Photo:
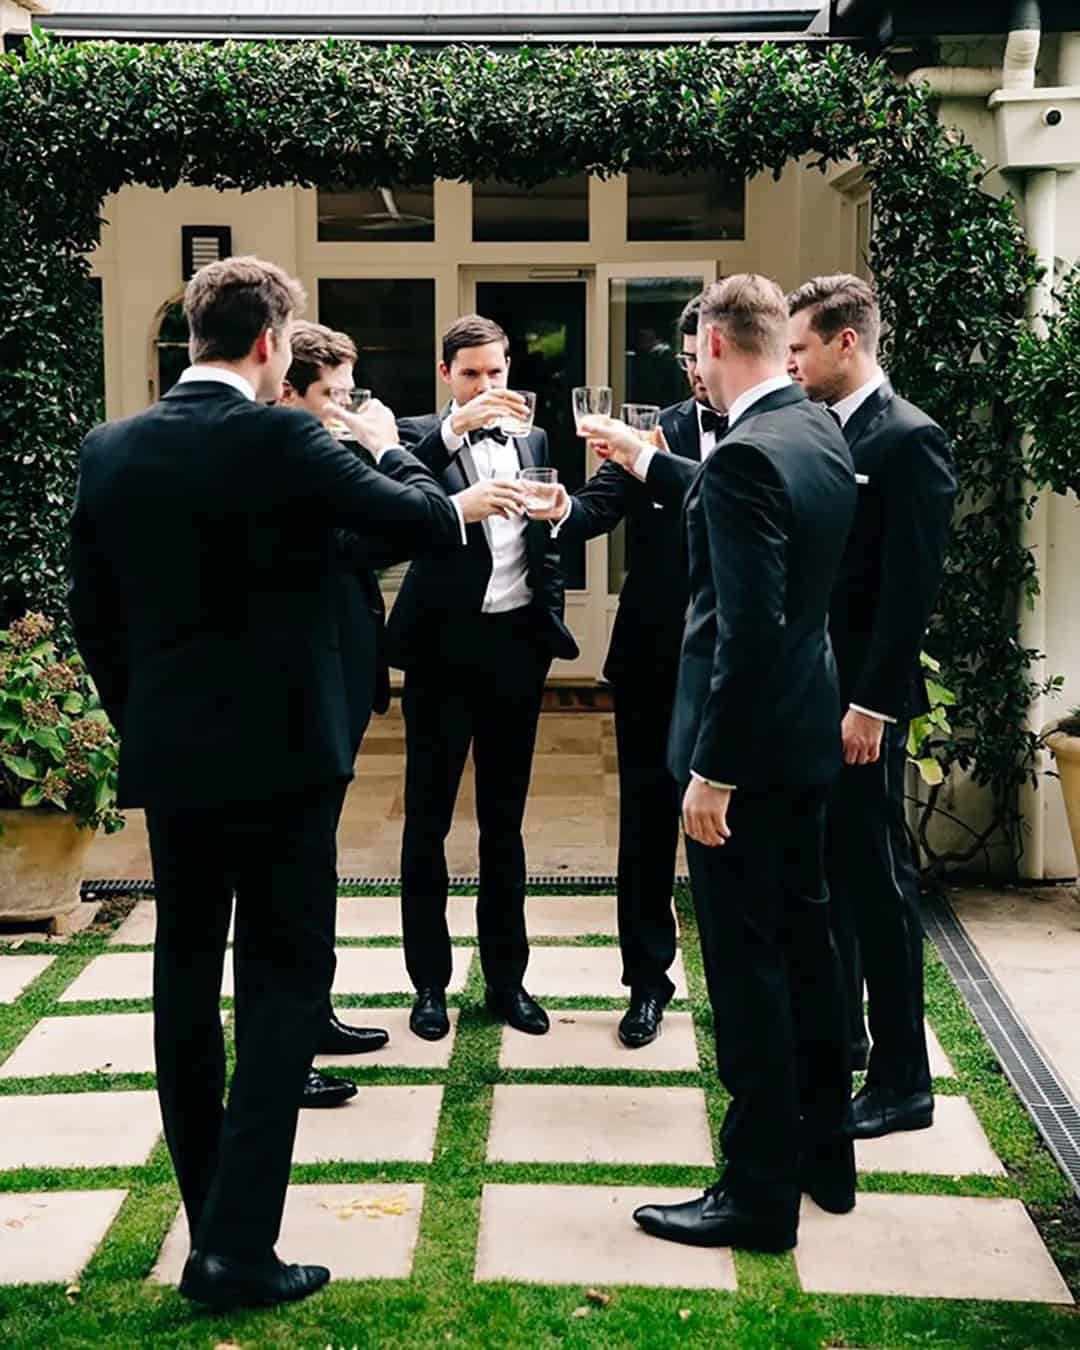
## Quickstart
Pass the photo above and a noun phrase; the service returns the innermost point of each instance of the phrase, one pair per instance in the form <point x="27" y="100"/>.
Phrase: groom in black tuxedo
<point x="888" y="584"/>
<point x="642" y="665"/>
<point x="755" y="744"/>
<point x="204" y="600"/>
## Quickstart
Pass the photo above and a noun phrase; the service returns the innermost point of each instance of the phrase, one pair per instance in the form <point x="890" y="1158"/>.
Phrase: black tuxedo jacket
<point x="766" y="519"/>
<point x="206" y="592"/>
<point x="422" y="625"/>
<point x="652" y="606"/>
<point x="892" y="567"/>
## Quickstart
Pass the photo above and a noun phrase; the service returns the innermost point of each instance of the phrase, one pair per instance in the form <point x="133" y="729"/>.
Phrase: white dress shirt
<point x="508" y="587"/>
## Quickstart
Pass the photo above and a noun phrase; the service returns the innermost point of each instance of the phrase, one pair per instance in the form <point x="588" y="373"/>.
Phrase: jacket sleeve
<point x="747" y="513"/>
<point x="669" y="478"/>
<point x="97" y="607"/>
<point x="426" y="442"/>
<point x="599" y="506"/>
<point x="919" y="489"/>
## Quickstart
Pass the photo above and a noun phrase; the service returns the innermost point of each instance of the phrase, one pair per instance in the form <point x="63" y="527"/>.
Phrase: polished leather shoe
<point x="640" y="1024"/>
<point x="428" y="1018"/>
<point x="221" y="1282"/>
<point x="828" y="1177"/>
<point x="876" y="1111"/>
<point x="518" y="1010"/>
<point x="322" y="1090"/>
<point x="339" y="1038"/>
<point x="717" y="1220"/>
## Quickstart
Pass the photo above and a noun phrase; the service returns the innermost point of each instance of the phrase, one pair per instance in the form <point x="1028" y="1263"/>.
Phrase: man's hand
<point x="704" y="813"/>
<point x="862" y="737"/>
<point x="375" y="426"/>
<point x="485" y="410"/>
<point x="492" y="497"/>
<point x="556" y="510"/>
<point x="612" y="439"/>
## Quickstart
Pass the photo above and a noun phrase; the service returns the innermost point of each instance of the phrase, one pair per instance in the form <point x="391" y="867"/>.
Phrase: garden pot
<point x="42" y="854"/>
<point x="1066" y="752"/>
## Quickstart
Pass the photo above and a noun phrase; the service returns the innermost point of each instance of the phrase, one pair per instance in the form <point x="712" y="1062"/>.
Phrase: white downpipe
<point x="1040" y="220"/>
<point x="1069" y="60"/>
<point x="959" y="81"/>
<point x="1021" y="58"/>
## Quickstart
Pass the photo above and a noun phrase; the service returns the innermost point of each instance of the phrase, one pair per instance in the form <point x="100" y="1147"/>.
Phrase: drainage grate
<point x="1056" y="1116"/>
<point x="602" y="885"/>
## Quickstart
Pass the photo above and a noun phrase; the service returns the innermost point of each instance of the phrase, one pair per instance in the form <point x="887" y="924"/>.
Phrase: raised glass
<point x="640" y="416"/>
<point x="591" y="400"/>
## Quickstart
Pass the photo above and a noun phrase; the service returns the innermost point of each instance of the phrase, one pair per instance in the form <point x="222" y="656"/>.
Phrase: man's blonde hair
<point x="752" y="313"/>
<point x="230" y="302"/>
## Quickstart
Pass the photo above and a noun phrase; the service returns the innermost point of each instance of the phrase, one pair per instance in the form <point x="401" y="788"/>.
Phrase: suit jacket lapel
<point x="687" y="430"/>
<point x="523" y="446"/>
<point x="868" y="412"/>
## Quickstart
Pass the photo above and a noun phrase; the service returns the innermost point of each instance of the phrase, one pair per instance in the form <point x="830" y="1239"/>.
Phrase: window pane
<point x="172" y="348"/>
<point x="392" y="322"/>
<point x="699" y="205"/>
<point x="556" y="210"/>
<point x="387" y="215"/>
<point x="644" y="312"/>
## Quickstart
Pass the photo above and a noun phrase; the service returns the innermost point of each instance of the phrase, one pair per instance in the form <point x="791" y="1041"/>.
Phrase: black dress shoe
<point x="718" y="1220"/>
<point x="322" y="1090"/>
<point x="640" y="1024"/>
<point x="428" y="1018"/>
<point x="876" y="1111"/>
<point x="221" y="1282"/>
<point x="518" y="1010"/>
<point x="339" y="1038"/>
<point x="828" y="1177"/>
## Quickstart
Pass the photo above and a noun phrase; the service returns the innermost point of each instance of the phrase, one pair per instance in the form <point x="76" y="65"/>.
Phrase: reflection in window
<point x="172" y="347"/>
<point x="698" y="205"/>
<point x="643" y="342"/>
<point x="554" y="211"/>
<point x="386" y="215"/>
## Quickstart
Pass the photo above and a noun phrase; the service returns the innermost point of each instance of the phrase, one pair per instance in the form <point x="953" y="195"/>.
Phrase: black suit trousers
<point x="776" y="991"/>
<point x="278" y="858"/>
<point x="648" y="825"/>
<point x="486" y="695"/>
<point x="875" y="893"/>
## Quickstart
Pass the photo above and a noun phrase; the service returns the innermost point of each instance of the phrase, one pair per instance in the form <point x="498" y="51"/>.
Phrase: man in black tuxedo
<point x="755" y="744"/>
<point x="642" y="665"/>
<point x="475" y="636"/>
<point x="886" y="591"/>
<point x="204" y="601"/>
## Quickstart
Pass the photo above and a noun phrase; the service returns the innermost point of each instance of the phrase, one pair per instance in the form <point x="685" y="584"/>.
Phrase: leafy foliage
<point x="951" y="262"/>
<point x="57" y="748"/>
<point x="1045" y="391"/>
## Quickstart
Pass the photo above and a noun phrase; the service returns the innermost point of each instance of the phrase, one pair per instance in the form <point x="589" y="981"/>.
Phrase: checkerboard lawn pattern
<point x="481" y="1195"/>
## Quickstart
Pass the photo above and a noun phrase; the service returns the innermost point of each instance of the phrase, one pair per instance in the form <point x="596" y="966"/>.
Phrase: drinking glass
<point x="358" y="399"/>
<point x="541" y="487"/>
<point x="641" y="416"/>
<point x="591" y="400"/>
<point x="355" y="400"/>
<point x="520" y="426"/>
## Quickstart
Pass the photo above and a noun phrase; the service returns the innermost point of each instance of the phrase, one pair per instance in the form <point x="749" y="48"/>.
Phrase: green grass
<point x="440" y="1304"/>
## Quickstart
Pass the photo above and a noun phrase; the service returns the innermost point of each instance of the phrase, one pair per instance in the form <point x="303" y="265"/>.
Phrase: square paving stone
<point x="361" y="1231"/>
<point x="78" y="1129"/>
<point x="380" y="916"/>
<point x="585" y="972"/>
<point x="589" y="1040"/>
<point x="587" y="1235"/>
<point x="98" y="1043"/>
<point x="955" y="1145"/>
<point x="556" y="916"/>
<point x="381" y="970"/>
<point x="17" y="972"/>
<point x="140" y="927"/>
<point x="123" y="975"/>
<point x="927" y="1246"/>
<point x="47" y="1237"/>
<point x="600" y="1125"/>
<point x="404" y="1051"/>
<point x="380" y="1124"/>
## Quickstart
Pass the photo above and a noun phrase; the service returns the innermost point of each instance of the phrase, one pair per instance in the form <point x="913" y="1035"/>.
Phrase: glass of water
<point x="354" y="401"/>
<point x="541" y="487"/>
<point x="591" y="400"/>
<point x="641" y="416"/>
<point x="520" y="426"/>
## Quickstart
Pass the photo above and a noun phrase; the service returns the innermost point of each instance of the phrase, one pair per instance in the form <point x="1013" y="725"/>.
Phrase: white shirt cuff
<point x="556" y="525"/>
<point x="868" y="712"/>
<point x="709" y="782"/>
<point x="450" y="438"/>
<point x="377" y="455"/>
<point x="461" y="518"/>
<point x="640" y="468"/>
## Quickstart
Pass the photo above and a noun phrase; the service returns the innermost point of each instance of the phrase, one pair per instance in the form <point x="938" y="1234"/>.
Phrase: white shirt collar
<point x="846" y="408"/>
<point x="219" y="375"/>
<point x="751" y="396"/>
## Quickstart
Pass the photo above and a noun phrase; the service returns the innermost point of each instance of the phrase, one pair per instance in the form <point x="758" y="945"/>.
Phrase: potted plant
<point x="58" y="757"/>
<point x="1062" y="739"/>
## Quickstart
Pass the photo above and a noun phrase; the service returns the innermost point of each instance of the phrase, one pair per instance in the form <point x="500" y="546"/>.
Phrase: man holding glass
<point x="475" y="636"/>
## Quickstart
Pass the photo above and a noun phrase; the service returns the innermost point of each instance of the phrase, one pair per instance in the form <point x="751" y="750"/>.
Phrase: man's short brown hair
<point x="837" y="302"/>
<point x="314" y="346"/>
<point x="230" y="302"/>
<point x="688" y="320"/>
<point x="751" y="311"/>
<point x="471" y="330"/>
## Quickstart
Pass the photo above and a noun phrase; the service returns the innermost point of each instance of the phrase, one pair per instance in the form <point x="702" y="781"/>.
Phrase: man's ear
<point x="849" y="340"/>
<point x="264" y="346"/>
<point x="288" y="393"/>
<point x="444" y="372"/>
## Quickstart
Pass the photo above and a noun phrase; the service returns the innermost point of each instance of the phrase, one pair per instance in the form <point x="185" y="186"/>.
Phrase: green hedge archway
<point x="951" y="262"/>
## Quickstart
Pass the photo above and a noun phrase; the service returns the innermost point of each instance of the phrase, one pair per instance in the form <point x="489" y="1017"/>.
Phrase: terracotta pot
<point x="1066" y="752"/>
<point x="41" y="865"/>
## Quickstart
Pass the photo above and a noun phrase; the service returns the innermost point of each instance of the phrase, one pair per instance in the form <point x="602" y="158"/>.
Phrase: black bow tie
<point x="488" y="434"/>
<point x="713" y="421"/>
